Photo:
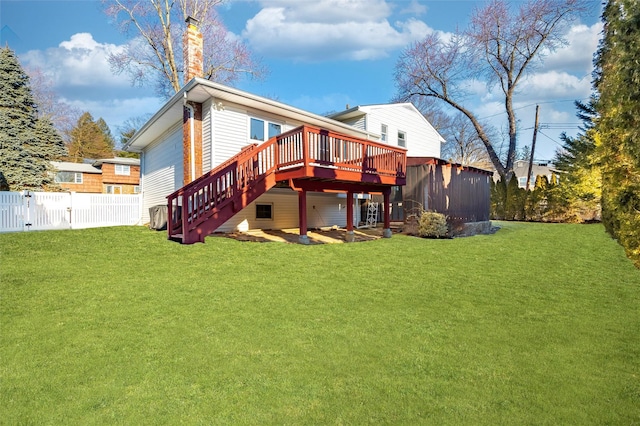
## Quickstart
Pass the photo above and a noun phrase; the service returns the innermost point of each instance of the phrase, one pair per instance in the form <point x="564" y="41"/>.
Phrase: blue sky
<point x="321" y="56"/>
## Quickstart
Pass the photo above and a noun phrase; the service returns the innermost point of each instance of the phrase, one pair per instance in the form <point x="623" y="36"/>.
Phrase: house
<point x="78" y="177"/>
<point x="119" y="175"/>
<point x="538" y="168"/>
<point x="107" y="176"/>
<point x="222" y="159"/>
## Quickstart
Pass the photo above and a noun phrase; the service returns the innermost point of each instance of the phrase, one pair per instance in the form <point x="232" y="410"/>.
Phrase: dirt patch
<point x="316" y="236"/>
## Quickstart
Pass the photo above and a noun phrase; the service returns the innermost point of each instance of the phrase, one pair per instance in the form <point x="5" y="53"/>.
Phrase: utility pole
<point x="533" y="148"/>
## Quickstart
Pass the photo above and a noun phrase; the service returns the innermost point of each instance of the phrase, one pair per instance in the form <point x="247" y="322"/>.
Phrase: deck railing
<point x="308" y="145"/>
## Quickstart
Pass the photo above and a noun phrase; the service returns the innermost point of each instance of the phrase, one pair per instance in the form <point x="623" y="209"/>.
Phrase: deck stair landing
<point x="304" y="154"/>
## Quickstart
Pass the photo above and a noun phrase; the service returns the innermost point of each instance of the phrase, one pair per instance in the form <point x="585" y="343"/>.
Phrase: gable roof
<point x="66" y="166"/>
<point x="200" y="90"/>
<point x="361" y="110"/>
<point x="117" y="160"/>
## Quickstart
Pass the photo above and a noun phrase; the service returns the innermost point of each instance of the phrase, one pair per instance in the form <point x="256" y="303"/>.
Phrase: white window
<point x="259" y="128"/>
<point x="264" y="211"/>
<point x="114" y="189"/>
<point x="136" y="189"/>
<point x="123" y="169"/>
<point x="522" y="182"/>
<point x="68" y="177"/>
<point x="402" y="139"/>
<point x="383" y="132"/>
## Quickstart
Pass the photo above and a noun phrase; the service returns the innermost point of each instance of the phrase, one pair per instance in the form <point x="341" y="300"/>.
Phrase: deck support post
<point x="350" y="237"/>
<point x="302" y="217"/>
<point x="386" y="232"/>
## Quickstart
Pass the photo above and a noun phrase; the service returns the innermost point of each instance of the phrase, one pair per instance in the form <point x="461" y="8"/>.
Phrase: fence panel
<point x="97" y="210"/>
<point x="48" y="210"/>
<point x="12" y="211"/>
<point x="31" y="211"/>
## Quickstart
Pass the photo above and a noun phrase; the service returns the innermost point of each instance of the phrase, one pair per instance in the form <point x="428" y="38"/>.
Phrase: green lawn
<point x="537" y="324"/>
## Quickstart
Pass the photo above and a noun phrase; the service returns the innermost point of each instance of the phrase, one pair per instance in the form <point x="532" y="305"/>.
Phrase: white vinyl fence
<point x="31" y="211"/>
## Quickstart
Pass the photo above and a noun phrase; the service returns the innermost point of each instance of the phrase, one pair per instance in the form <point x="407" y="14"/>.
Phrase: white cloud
<point x="329" y="30"/>
<point x="80" y="74"/>
<point x="78" y="62"/>
<point x="555" y="85"/>
<point x="577" y="55"/>
<point x="414" y="8"/>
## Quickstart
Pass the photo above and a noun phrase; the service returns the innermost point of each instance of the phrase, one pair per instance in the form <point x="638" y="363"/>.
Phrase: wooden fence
<point x="31" y="211"/>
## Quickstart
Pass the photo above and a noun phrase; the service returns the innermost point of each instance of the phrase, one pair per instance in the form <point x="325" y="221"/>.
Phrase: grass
<point x="537" y="324"/>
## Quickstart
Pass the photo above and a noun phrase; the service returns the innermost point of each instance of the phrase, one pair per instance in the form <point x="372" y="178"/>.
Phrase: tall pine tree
<point x="617" y="81"/>
<point x="90" y="139"/>
<point x="27" y="144"/>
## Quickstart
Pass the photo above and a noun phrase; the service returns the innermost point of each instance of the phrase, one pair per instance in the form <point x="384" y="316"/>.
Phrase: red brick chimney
<point x="192" y="111"/>
<point x="192" y="50"/>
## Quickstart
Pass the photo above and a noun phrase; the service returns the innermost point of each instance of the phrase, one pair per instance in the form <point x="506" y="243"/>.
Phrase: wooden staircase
<point x="200" y="207"/>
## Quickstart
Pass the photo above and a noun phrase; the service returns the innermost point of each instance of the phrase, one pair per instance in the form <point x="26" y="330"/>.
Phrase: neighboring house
<point x="399" y="124"/>
<point x="78" y="177"/>
<point x="539" y="168"/>
<point x="108" y="176"/>
<point x="119" y="175"/>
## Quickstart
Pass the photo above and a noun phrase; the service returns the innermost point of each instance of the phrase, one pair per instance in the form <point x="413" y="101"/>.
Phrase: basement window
<point x="264" y="211"/>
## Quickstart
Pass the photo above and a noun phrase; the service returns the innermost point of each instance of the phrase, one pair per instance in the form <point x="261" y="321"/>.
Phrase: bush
<point x="432" y="225"/>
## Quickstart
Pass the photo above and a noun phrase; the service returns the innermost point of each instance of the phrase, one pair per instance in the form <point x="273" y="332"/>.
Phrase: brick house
<point x="106" y="176"/>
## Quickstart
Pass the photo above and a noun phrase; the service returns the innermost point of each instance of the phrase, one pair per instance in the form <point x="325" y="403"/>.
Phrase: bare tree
<point x="155" y="54"/>
<point x="50" y="106"/>
<point x="498" y="48"/>
<point x="463" y="145"/>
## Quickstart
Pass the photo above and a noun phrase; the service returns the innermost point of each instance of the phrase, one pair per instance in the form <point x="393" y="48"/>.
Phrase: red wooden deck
<point x="306" y="158"/>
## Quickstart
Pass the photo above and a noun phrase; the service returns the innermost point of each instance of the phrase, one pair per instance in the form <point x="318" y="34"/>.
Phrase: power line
<point x="537" y="103"/>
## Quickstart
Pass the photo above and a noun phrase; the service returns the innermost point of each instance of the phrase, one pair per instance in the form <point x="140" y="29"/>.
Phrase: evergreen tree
<point x="580" y="186"/>
<point x="90" y="139"/>
<point x="617" y="81"/>
<point x="27" y="145"/>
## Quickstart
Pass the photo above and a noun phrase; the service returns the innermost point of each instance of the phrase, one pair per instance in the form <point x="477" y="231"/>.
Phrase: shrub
<point x="432" y="225"/>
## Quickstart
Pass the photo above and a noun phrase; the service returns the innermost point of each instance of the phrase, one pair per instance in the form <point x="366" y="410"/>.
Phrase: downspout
<point x="192" y="143"/>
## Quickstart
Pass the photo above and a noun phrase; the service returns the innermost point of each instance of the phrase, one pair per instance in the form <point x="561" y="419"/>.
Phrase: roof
<point x="199" y="90"/>
<point x="117" y="160"/>
<point x="66" y="166"/>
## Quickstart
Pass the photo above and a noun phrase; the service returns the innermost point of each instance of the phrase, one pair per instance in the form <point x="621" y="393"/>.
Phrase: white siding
<point x="421" y="138"/>
<point x="231" y="129"/>
<point x="206" y="136"/>
<point x="322" y="210"/>
<point x="161" y="172"/>
<point x="231" y="133"/>
<point x="358" y="122"/>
